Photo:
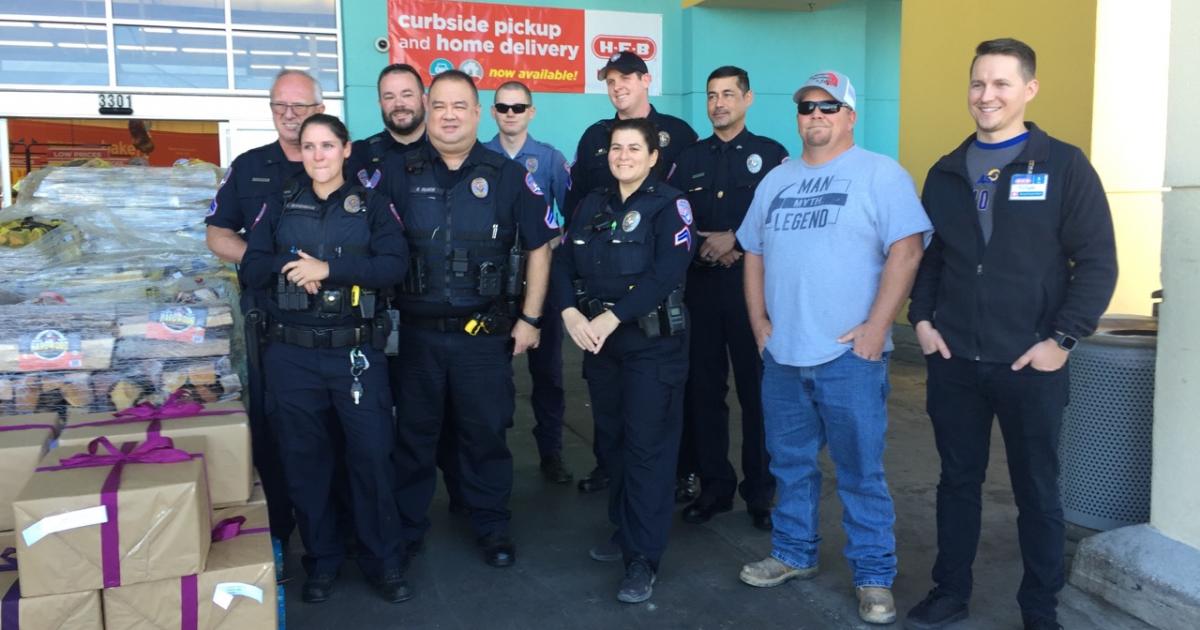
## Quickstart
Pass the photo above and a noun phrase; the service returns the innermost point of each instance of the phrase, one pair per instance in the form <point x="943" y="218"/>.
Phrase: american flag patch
<point x="684" y="237"/>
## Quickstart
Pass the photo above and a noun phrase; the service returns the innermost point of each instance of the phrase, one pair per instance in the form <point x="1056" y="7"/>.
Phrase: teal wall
<point x="779" y="49"/>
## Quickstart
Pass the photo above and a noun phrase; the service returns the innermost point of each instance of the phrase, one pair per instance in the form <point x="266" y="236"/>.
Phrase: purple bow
<point x="8" y="559"/>
<point x="155" y="450"/>
<point x="175" y="407"/>
<point x="232" y="528"/>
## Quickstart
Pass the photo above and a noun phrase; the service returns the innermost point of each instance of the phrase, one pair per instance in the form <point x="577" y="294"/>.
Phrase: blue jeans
<point x="842" y="403"/>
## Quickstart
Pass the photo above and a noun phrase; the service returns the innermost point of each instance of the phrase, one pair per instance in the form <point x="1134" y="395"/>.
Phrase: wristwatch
<point x="536" y="322"/>
<point x="1065" y="341"/>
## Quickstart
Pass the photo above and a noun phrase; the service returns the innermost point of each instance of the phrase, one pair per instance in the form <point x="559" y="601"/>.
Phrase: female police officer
<point x="620" y="274"/>
<point x="319" y="253"/>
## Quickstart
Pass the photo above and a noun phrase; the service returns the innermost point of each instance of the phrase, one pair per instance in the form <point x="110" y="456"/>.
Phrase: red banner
<point x="494" y="43"/>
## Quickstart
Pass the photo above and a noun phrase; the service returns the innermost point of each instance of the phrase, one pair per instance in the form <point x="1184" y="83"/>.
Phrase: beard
<point x="418" y="117"/>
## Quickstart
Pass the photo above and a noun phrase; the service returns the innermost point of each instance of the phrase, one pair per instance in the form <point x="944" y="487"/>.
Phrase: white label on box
<point x="63" y="522"/>
<point x="224" y="593"/>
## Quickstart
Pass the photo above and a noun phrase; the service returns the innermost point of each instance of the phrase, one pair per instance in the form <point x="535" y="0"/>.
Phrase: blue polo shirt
<point x="546" y="164"/>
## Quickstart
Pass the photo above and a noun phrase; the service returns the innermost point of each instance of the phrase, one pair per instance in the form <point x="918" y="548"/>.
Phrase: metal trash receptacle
<point x="1106" y="443"/>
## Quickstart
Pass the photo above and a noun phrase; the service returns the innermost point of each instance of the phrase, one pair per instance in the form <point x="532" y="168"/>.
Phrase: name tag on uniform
<point x="1028" y="187"/>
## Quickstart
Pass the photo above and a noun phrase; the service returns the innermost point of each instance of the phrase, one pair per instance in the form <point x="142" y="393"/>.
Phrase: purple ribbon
<point x="10" y="613"/>
<point x="155" y="450"/>
<point x="26" y="427"/>
<point x="175" y="407"/>
<point x="189" y="603"/>
<point x="232" y="528"/>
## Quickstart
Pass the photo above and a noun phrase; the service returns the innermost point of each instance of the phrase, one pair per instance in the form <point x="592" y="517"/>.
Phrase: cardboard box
<point x="224" y="425"/>
<point x="23" y="442"/>
<point x="236" y="591"/>
<point x="110" y="514"/>
<point x="69" y="611"/>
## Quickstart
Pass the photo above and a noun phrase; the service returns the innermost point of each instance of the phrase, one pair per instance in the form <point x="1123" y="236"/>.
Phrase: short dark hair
<point x="396" y="68"/>
<point x="641" y="125"/>
<point x="724" y="72"/>
<point x="1012" y="48"/>
<point x="515" y="85"/>
<point x="333" y="123"/>
<point x="455" y="75"/>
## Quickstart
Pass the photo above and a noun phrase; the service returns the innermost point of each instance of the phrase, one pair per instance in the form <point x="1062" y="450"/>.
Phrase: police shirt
<point x="719" y="177"/>
<point x="383" y="267"/>
<point x="610" y="219"/>
<point x="365" y="164"/>
<point x="547" y="165"/>
<point x="516" y="191"/>
<point x="254" y="177"/>
<point x="590" y="170"/>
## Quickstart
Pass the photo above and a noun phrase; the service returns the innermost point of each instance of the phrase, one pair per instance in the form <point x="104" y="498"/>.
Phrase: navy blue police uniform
<point x="719" y="179"/>
<point x="631" y="258"/>
<point x="463" y="228"/>
<point x="325" y="368"/>
<point x="591" y="172"/>
<point x="254" y="177"/>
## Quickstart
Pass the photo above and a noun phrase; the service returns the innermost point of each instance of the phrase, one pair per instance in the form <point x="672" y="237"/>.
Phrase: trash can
<point x="1105" y="448"/>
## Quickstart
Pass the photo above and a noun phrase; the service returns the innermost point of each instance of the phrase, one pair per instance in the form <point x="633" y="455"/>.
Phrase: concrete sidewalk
<point x="555" y="585"/>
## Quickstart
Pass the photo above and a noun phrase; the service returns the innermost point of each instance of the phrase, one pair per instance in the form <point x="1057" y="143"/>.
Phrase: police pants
<point x="721" y="335"/>
<point x="472" y="377"/>
<point x="549" y="400"/>
<point x="636" y="387"/>
<point x="310" y="399"/>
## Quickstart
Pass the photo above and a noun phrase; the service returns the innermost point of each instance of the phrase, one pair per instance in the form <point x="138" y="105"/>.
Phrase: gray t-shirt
<point x="824" y="233"/>
<point x="984" y="163"/>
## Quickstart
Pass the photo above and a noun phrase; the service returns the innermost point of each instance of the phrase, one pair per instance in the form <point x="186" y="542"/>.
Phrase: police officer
<point x="402" y="107"/>
<point x="628" y="81"/>
<point x="254" y="177"/>
<point x="472" y="218"/>
<point x="719" y="175"/>
<point x="621" y="269"/>
<point x="321" y="252"/>
<point x="513" y="110"/>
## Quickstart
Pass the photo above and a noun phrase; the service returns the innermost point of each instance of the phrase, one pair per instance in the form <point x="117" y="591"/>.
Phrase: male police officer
<point x="719" y="175"/>
<point x="513" y="110"/>
<point x="1023" y="264"/>
<point x="468" y="213"/>
<point x="402" y="107"/>
<point x="253" y="177"/>
<point x="628" y="80"/>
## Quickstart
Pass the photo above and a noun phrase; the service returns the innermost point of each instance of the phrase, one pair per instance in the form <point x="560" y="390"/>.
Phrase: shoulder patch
<point x="684" y="237"/>
<point x="212" y="208"/>
<point x="551" y="219"/>
<point x="532" y="185"/>
<point x="685" y="210"/>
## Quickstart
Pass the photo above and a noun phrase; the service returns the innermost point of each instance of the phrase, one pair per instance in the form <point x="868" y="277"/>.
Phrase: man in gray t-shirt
<point x="832" y="242"/>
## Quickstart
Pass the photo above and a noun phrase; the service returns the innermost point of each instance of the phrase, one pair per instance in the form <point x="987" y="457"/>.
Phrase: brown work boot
<point x="875" y="604"/>
<point x="770" y="572"/>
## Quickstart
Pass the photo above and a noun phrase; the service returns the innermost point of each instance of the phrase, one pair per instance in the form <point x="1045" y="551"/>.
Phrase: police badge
<point x="479" y="187"/>
<point x="531" y="164"/>
<point x="632" y="219"/>
<point x="352" y="204"/>
<point x="664" y="139"/>
<point x="754" y="163"/>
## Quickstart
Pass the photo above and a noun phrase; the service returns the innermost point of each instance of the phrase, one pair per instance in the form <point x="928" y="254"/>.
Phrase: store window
<point x="152" y="56"/>
<point x="53" y="53"/>
<point x="296" y="13"/>
<point x="56" y="8"/>
<point x="173" y="10"/>
<point x="177" y="44"/>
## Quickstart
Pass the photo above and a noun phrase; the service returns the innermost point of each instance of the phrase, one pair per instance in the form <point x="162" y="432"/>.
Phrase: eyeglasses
<point x="827" y="107"/>
<point x="517" y="108"/>
<point x="299" y="109"/>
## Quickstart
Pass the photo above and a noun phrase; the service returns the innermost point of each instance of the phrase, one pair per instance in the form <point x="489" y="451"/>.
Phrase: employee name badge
<point x="1028" y="187"/>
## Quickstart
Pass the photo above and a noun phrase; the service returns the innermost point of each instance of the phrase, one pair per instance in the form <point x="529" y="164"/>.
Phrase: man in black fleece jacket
<point x="1021" y="266"/>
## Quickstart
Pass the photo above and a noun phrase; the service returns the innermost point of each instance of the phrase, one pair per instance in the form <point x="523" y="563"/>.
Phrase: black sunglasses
<point x="827" y="107"/>
<point x="517" y="108"/>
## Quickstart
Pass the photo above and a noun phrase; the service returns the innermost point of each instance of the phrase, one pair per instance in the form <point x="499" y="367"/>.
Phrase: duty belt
<point x="451" y="324"/>
<point x="321" y="337"/>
